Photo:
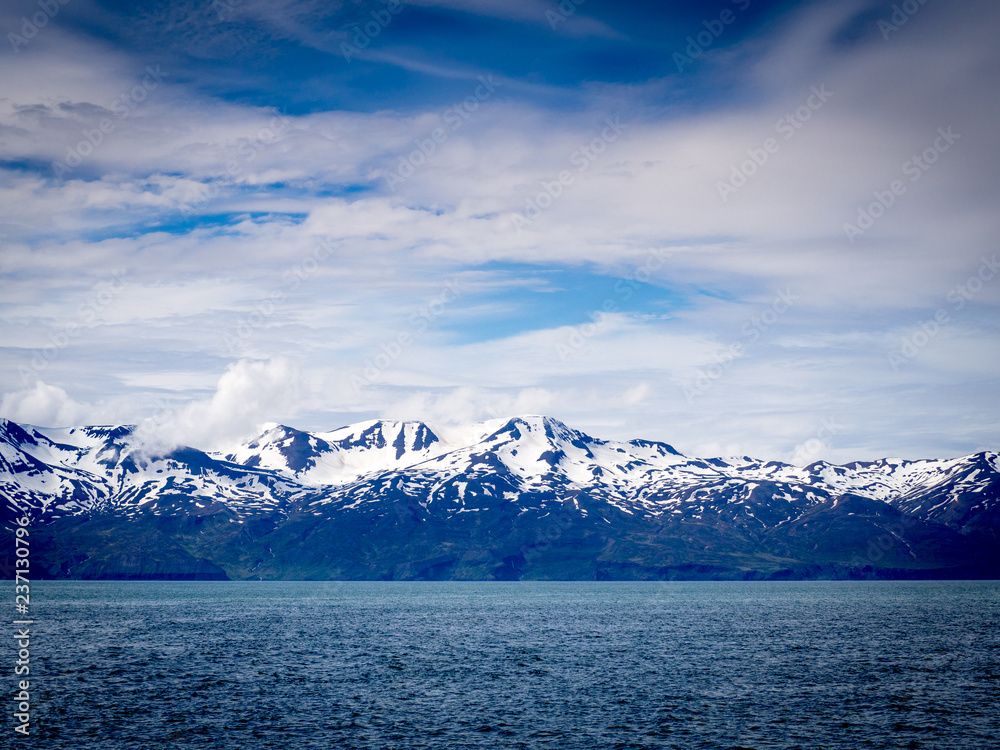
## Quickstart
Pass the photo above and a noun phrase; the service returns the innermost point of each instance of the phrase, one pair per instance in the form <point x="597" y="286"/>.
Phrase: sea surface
<point x="720" y="666"/>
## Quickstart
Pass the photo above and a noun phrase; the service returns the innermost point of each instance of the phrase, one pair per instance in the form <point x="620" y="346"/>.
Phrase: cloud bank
<point x="794" y="228"/>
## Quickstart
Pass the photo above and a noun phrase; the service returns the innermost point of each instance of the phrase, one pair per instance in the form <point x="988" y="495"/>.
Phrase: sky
<point x="740" y="227"/>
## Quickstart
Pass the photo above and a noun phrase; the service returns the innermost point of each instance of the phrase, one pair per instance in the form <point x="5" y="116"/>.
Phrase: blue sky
<point x="742" y="227"/>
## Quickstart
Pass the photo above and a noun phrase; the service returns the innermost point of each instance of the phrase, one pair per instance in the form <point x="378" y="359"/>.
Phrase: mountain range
<point x="520" y="498"/>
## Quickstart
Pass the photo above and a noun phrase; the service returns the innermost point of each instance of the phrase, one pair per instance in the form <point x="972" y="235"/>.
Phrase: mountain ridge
<point x="386" y="499"/>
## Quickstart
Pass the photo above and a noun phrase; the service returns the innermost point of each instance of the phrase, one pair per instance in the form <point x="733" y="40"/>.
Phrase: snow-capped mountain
<point x="56" y="472"/>
<point x="520" y="497"/>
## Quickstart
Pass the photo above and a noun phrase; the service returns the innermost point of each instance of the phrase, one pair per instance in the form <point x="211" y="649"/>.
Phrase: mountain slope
<point x="523" y="497"/>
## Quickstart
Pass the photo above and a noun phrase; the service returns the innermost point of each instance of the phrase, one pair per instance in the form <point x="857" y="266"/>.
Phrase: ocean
<point x="589" y="665"/>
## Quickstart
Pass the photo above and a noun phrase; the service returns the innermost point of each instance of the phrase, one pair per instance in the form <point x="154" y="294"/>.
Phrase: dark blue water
<point x="229" y="666"/>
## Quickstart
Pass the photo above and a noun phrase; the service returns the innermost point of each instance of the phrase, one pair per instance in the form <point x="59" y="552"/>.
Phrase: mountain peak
<point x="379" y="433"/>
<point x="522" y="479"/>
<point x="536" y="424"/>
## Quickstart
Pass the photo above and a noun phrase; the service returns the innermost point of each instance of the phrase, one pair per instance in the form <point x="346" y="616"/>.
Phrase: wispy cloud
<point x="215" y="204"/>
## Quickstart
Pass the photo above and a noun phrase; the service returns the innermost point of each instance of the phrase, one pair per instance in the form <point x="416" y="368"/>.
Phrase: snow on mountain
<point x="340" y="456"/>
<point x="526" y="497"/>
<point x="84" y="469"/>
<point x="77" y="470"/>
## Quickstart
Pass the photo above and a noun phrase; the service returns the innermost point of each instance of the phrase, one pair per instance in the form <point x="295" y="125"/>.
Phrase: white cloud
<point x="247" y="395"/>
<point x="540" y="12"/>
<point x="654" y="187"/>
<point x="468" y="404"/>
<point x="43" y="405"/>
